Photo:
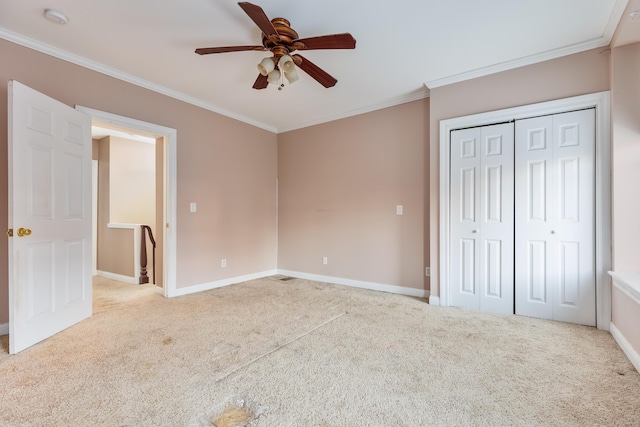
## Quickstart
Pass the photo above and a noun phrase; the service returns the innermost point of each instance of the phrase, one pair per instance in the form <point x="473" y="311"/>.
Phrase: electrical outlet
<point x="399" y="210"/>
<point x="427" y="271"/>
<point x="325" y="260"/>
<point x="223" y="263"/>
<point x="192" y="207"/>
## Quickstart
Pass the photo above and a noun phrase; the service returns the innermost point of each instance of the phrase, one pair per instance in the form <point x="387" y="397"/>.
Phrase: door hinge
<point x="10" y="232"/>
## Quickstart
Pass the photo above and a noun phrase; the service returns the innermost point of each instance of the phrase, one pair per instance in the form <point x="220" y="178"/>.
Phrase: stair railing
<point x="144" y="278"/>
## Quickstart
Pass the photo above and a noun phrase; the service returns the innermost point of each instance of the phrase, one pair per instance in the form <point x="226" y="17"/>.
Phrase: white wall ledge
<point x="627" y="282"/>
<point x="120" y="225"/>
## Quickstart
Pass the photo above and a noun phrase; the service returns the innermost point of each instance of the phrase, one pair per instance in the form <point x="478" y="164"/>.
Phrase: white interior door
<point x="50" y="213"/>
<point x="482" y="218"/>
<point x="555" y="221"/>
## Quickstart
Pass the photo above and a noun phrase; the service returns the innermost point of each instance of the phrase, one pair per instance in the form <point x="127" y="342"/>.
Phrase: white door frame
<point x="170" y="186"/>
<point x="601" y="102"/>
<point x="94" y="217"/>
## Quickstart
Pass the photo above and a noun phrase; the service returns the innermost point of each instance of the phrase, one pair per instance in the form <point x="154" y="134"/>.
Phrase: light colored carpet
<point x="299" y="353"/>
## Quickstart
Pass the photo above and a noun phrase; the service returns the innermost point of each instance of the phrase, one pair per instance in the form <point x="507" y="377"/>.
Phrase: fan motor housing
<point x="288" y="36"/>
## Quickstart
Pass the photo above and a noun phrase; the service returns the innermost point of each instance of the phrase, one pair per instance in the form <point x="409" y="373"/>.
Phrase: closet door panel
<point x="573" y="217"/>
<point x="555" y="217"/>
<point x="533" y="189"/>
<point x="496" y="218"/>
<point x="482" y="218"/>
<point x="465" y="176"/>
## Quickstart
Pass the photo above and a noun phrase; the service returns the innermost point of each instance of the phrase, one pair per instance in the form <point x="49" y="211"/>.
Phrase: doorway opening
<point x="161" y="217"/>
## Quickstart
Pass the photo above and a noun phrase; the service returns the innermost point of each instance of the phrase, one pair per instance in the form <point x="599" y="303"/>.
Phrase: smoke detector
<point x="56" y="16"/>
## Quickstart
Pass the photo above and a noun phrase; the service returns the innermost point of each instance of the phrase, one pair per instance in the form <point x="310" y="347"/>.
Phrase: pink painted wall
<point x="625" y="316"/>
<point x="132" y="175"/>
<point x="115" y="246"/>
<point x="339" y="185"/>
<point x="573" y="75"/>
<point x="228" y="167"/>
<point x="625" y="102"/>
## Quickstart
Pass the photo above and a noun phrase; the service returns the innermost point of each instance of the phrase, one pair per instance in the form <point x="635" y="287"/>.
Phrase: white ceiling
<point x="402" y="46"/>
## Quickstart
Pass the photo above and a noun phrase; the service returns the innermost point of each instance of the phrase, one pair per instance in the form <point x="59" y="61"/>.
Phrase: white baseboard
<point x="631" y="353"/>
<point x="220" y="283"/>
<point x="117" y="277"/>
<point x="434" y="300"/>
<point x="419" y="293"/>
<point x="4" y="329"/>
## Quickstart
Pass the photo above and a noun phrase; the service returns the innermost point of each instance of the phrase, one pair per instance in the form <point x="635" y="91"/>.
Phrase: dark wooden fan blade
<point x="331" y="41"/>
<point x="208" y="50"/>
<point x="314" y="71"/>
<point x="258" y="16"/>
<point x="261" y="82"/>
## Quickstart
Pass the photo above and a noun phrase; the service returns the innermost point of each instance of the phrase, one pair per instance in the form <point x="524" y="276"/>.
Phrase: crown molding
<point x="129" y="78"/>
<point x="614" y="19"/>
<point x="517" y="63"/>
<point x="413" y="96"/>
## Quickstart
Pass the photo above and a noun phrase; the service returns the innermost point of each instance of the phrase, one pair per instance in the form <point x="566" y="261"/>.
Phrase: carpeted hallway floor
<point x="297" y="353"/>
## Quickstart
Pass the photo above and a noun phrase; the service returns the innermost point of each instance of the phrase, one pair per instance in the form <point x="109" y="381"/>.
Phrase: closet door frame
<point x="601" y="102"/>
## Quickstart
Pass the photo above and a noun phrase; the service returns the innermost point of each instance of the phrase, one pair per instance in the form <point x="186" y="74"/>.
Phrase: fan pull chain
<point x="281" y="81"/>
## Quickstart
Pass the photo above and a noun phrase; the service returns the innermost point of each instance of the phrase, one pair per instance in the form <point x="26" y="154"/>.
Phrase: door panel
<point x="468" y="267"/>
<point x="569" y="273"/>
<point x="49" y="196"/>
<point x="536" y="277"/>
<point x="536" y="191"/>
<point x="555" y="217"/>
<point x="468" y="194"/>
<point x="574" y="217"/>
<point x="496" y="222"/>
<point x="39" y="278"/>
<point x="493" y="194"/>
<point x="493" y="268"/>
<point x="482" y="218"/>
<point x="533" y="155"/>
<point x="464" y="213"/>
<point x="569" y="190"/>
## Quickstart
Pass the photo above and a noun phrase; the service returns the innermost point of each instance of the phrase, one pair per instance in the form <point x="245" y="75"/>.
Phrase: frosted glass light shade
<point x="266" y="66"/>
<point x="273" y="77"/>
<point x="286" y="63"/>
<point x="292" y="75"/>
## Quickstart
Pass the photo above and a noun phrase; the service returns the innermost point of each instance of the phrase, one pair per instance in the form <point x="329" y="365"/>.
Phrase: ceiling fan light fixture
<point x="292" y="76"/>
<point x="280" y="39"/>
<point x="266" y="66"/>
<point x="274" y="77"/>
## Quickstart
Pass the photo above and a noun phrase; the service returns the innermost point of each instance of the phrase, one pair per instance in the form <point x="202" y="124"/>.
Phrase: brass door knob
<point x="23" y="232"/>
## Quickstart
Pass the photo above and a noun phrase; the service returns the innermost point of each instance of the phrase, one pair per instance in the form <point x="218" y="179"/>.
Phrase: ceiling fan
<point x="281" y="40"/>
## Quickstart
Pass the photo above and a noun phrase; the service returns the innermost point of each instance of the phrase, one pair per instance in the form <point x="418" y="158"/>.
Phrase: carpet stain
<point x="167" y="341"/>
<point x="234" y="416"/>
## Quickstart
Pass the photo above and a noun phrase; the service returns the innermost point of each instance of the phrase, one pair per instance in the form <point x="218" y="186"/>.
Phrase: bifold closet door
<point x="482" y="207"/>
<point x="555" y="228"/>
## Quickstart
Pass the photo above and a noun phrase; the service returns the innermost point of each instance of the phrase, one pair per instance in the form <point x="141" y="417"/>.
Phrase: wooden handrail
<point x="144" y="278"/>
